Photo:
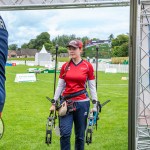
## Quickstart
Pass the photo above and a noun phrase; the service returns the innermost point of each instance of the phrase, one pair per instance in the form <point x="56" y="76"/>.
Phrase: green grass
<point x="26" y="111"/>
<point x="63" y="59"/>
<point x="60" y="59"/>
<point x="28" y="59"/>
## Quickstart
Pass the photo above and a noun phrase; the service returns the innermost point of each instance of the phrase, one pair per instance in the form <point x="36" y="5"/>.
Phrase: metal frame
<point x="59" y="4"/>
<point x="143" y="77"/>
<point x="132" y="76"/>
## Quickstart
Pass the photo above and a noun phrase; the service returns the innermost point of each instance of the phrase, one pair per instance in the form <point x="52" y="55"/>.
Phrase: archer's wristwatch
<point x="93" y="101"/>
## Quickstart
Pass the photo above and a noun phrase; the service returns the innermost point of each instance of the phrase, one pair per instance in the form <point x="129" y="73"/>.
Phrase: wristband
<point x="53" y="101"/>
<point x="93" y="101"/>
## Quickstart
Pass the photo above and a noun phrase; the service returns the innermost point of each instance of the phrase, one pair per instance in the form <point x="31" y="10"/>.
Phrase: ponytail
<point x="66" y="68"/>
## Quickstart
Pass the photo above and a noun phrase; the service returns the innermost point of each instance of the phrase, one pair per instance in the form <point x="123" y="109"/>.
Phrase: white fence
<point x="102" y="66"/>
<point x="120" y="68"/>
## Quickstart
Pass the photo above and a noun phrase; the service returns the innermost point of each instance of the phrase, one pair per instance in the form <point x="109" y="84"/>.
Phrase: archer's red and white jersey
<point x="76" y="77"/>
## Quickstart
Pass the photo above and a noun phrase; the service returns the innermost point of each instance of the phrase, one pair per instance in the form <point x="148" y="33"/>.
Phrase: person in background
<point x="3" y="59"/>
<point x="73" y="79"/>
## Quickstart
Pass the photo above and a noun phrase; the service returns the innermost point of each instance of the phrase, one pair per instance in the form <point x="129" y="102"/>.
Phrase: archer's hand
<point x="94" y="109"/>
<point x="52" y="108"/>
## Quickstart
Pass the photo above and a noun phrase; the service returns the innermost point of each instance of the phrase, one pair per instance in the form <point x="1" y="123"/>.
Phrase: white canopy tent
<point x="43" y="57"/>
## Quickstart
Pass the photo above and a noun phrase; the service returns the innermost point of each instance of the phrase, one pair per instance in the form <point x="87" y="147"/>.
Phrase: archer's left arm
<point x="93" y="93"/>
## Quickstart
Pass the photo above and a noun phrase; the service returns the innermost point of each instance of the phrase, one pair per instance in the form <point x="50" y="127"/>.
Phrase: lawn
<point x="26" y="111"/>
<point x="60" y="59"/>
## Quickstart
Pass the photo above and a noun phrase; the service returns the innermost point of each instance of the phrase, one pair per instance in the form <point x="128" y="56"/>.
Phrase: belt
<point x="74" y="94"/>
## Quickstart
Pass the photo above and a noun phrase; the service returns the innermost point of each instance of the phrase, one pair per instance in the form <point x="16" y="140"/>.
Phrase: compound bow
<point x="52" y="116"/>
<point x="49" y="126"/>
<point x="50" y="123"/>
<point x="92" y="121"/>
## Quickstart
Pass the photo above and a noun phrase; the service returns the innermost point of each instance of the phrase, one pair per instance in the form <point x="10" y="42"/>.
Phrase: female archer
<point x="74" y="76"/>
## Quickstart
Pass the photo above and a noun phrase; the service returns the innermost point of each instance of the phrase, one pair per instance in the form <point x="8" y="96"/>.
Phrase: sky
<point x="98" y="23"/>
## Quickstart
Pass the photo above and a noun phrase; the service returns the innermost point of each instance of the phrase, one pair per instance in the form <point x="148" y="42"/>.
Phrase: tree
<point x="95" y="39"/>
<point x="42" y="39"/>
<point x="111" y="37"/>
<point x="62" y="50"/>
<point x="120" y="46"/>
<point x="48" y="46"/>
<point x="24" y="46"/>
<point x="85" y="40"/>
<point x="32" y="44"/>
<point x="13" y="47"/>
<point x="63" y="40"/>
